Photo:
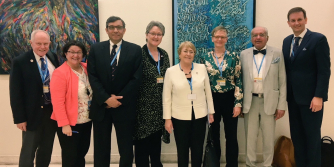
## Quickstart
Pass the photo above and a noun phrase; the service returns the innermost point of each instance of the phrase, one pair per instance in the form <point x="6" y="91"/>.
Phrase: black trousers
<point x="224" y="104"/>
<point x="102" y="140"/>
<point x="189" y="134"/>
<point x="74" y="148"/>
<point x="305" y="129"/>
<point x="147" y="149"/>
<point x="39" y="142"/>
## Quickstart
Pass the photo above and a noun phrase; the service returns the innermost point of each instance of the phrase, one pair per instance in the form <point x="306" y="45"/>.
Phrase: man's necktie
<point x="46" y="81"/>
<point x="264" y="51"/>
<point x="295" y="46"/>
<point x="112" y="56"/>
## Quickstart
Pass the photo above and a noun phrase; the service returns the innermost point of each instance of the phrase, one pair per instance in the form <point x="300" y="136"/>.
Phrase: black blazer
<point x="26" y="89"/>
<point x="127" y="79"/>
<point x="308" y="71"/>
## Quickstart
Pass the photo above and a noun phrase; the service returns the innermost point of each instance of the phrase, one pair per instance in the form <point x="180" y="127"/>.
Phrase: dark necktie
<point x="114" y="64"/>
<point x="295" y="46"/>
<point x="259" y="51"/>
<point x="46" y="81"/>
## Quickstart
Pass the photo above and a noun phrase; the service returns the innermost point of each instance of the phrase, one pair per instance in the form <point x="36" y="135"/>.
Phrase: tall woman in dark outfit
<point x="149" y="125"/>
<point x="224" y="71"/>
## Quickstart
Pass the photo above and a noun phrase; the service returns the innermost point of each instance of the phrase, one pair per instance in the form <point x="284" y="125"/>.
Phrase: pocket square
<point x="304" y="49"/>
<point x="276" y="60"/>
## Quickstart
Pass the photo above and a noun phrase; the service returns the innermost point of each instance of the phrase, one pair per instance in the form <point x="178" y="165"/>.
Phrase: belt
<point x="260" y="95"/>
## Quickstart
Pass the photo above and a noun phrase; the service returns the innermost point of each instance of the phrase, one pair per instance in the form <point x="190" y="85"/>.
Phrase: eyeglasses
<point x="117" y="27"/>
<point x="219" y="37"/>
<point x="78" y="53"/>
<point x="154" y="34"/>
<point x="261" y="35"/>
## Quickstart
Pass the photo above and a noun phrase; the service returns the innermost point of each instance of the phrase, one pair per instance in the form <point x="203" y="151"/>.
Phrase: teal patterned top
<point x="231" y="73"/>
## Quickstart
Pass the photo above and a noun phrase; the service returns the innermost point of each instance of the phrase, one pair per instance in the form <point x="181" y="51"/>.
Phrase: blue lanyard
<point x="191" y="80"/>
<point x="43" y="74"/>
<point x="220" y="66"/>
<point x="158" y="65"/>
<point x="115" y="55"/>
<point x="258" y="69"/>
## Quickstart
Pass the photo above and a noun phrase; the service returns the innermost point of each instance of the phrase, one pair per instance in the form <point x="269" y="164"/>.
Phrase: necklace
<point x="186" y="73"/>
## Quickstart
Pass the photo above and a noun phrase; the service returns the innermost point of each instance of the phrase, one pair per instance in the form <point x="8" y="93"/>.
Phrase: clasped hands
<point x="112" y="102"/>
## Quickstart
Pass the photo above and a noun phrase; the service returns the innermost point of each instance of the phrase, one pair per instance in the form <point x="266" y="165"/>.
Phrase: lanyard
<point x="220" y="66"/>
<point x="43" y="74"/>
<point x="158" y="65"/>
<point x="258" y="69"/>
<point x="191" y="80"/>
<point x="115" y="55"/>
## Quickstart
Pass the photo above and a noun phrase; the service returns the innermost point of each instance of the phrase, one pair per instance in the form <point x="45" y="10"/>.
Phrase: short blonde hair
<point x="186" y="44"/>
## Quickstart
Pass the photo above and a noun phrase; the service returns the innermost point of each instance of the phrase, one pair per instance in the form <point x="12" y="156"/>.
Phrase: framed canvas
<point x="193" y="20"/>
<point x="64" y="20"/>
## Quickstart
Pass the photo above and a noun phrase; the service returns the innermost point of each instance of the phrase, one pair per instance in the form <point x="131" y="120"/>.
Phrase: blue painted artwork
<point x="193" y="20"/>
<point x="64" y="20"/>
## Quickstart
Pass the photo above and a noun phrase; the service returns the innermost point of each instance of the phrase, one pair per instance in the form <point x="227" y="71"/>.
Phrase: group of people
<point x="137" y="91"/>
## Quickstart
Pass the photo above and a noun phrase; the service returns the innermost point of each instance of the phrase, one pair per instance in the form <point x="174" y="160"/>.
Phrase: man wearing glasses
<point x="115" y="71"/>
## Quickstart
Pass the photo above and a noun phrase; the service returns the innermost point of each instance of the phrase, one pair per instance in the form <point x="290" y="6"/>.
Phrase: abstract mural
<point x="64" y="20"/>
<point x="193" y="20"/>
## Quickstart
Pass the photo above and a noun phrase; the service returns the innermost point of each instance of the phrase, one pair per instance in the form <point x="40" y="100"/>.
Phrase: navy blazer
<point x="26" y="89"/>
<point x="126" y="82"/>
<point x="308" y="71"/>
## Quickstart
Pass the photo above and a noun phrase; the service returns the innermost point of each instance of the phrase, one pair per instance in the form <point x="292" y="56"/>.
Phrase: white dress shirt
<point x="258" y="86"/>
<point x="300" y="41"/>
<point x="51" y="67"/>
<point x="119" y="52"/>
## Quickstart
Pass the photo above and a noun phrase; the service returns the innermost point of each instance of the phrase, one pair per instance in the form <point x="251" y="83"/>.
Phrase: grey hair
<point x="33" y="34"/>
<point x="265" y="30"/>
<point x="155" y="23"/>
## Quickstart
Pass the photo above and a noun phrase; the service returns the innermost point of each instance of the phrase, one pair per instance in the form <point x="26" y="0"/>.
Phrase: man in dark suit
<point x="115" y="71"/>
<point x="307" y="63"/>
<point x="30" y="100"/>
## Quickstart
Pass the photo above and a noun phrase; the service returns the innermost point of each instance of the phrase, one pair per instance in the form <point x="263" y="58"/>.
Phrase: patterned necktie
<point x="46" y="81"/>
<point x="114" y="64"/>
<point x="295" y="46"/>
<point x="264" y="51"/>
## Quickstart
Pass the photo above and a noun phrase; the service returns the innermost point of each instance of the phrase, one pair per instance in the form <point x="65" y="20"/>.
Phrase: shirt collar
<point x="118" y="44"/>
<point x="38" y="58"/>
<point x="301" y="35"/>
<point x="265" y="47"/>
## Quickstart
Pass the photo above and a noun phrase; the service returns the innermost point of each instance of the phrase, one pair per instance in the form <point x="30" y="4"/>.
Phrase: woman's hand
<point x="67" y="130"/>
<point x="211" y="118"/>
<point x="236" y="111"/>
<point x="168" y="125"/>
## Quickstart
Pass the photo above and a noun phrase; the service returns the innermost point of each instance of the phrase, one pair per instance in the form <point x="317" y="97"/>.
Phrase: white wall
<point x="137" y="14"/>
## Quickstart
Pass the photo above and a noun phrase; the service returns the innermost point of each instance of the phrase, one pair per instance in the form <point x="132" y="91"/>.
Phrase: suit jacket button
<point x="41" y="106"/>
<point x="42" y="95"/>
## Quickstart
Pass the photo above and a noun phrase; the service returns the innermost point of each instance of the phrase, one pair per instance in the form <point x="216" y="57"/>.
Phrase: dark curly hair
<point x="74" y="43"/>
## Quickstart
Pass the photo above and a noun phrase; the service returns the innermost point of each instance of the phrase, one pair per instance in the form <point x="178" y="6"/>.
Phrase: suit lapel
<point x="105" y="56"/>
<point x="267" y="59"/>
<point x="302" y="44"/>
<point x="287" y="48"/>
<point x="50" y="56"/>
<point x="123" y="55"/>
<point x="250" y="61"/>
<point x="33" y="66"/>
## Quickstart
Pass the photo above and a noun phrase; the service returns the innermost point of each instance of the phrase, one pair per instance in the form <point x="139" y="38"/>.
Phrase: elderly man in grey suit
<point x="264" y="102"/>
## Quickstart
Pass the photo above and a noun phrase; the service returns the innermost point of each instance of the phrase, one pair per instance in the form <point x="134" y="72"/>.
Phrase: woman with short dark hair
<point x="71" y="96"/>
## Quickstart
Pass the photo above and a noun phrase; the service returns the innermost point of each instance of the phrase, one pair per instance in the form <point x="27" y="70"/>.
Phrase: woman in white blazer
<point x="187" y="101"/>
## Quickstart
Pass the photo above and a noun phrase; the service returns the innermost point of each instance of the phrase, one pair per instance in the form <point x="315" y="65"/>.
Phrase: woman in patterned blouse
<point x="224" y="71"/>
<point x="71" y="94"/>
<point x="149" y="124"/>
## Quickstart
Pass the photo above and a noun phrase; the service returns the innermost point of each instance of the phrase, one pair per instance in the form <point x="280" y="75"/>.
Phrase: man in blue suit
<point x="307" y="64"/>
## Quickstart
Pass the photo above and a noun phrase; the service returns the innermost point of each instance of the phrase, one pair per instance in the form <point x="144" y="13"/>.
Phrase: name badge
<point x="258" y="80"/>
<point x="160" y="80"/>
<point x="221" y="82"/>
<point x="191" y="96"/>
<point x="45" y="89"/>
